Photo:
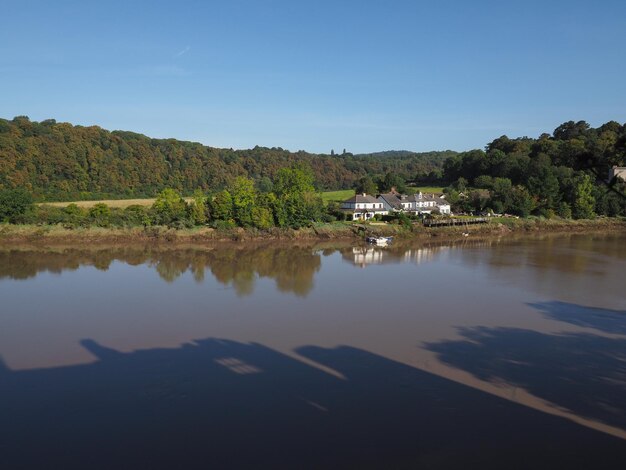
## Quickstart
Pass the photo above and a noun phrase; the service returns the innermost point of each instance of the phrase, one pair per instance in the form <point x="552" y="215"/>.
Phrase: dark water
<point x="508" y="354"/>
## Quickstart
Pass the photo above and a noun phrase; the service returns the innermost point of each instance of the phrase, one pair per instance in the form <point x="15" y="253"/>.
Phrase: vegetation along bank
<point x="558" y="181"/>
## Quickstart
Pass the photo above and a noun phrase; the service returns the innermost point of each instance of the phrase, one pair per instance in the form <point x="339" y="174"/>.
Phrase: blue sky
<point x="316" y="75"/>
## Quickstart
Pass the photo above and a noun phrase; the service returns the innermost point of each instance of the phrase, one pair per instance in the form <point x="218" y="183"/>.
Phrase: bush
<point x="100" y="215"/>
<point x="14" y="203"/>
<point x="223" y="224"/>
<point x="73" y="216"/>
<point x="135" y="215"/>
<point x="170" y="209"/>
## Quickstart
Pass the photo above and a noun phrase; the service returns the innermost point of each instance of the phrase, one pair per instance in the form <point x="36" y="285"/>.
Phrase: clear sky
<point x="316" y="75"/>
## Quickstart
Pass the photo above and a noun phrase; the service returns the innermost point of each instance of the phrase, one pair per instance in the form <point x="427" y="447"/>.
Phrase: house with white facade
<point x="363" y="207"/>
<point x="415" y="203"/>
<point x="617" y="172"/>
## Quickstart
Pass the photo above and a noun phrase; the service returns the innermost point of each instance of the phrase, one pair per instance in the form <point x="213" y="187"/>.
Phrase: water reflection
<point x="580" y="265"/>
<point x="538" y="322"/>
<point x="292" y="267"/>
<point x="215" y="403"/>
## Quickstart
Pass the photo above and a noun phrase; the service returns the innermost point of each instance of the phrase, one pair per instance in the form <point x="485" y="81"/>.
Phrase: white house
<point x="416" y="203"/>
<point x="363" y="207"/>
<point x="617" y="171"/>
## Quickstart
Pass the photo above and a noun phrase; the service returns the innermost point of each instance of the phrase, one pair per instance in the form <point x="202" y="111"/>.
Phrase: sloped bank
<point x="53" y="234"/>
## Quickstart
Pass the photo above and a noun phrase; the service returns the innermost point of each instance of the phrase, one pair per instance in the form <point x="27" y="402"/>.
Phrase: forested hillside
<point x="564" y="173"/>
<point x="59" y="161"/>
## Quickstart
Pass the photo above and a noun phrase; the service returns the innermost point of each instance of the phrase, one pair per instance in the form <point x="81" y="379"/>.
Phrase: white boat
<point x="378" y="240"/>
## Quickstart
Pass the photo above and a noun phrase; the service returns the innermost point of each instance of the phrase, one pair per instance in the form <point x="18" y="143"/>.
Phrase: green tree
<point x="522" y="203"/>
<point x="297" y="180"/>
<point x="14" y="203"/>
<point x="262" y="217"/>
<point x="564" y="210"/>
<point x="296" y="204"/>
<point x="584" y="201"/>
<point x="74" y="216"/>
<point x="100" y="215"/>
<point x="365" y="185"/>
<point x="461" y="184"/>
<point x="198" y="208"/>
<point x="221" y="207"/>
<point x="244" y="201"/>
<point x="501" y="192"/>
<point x="265" y="185"/>
<point x="543" y="182"/>
<point x="169" y="208"/>
<point x="392" y="180"/>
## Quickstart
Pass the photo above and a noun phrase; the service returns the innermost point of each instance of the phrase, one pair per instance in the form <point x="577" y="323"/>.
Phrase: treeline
<point x="565" y="174"/>
<point x="291" y="202"/>
<point x="61" y="162"/>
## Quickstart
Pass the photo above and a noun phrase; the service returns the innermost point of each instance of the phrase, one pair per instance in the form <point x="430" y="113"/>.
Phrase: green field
<point x="118" y="203"/>
<point x="327" y="196"/>
<point x="341" y="195"/>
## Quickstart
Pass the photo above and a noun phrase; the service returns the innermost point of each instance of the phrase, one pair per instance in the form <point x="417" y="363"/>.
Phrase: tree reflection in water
<point x="292" y="267"/>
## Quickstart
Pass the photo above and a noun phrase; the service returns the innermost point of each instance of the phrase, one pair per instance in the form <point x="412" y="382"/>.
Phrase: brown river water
<point x="483" y="354"/>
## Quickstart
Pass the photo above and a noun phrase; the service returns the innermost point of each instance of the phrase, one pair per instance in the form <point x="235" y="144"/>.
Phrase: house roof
<point x="360" y="198"/>
<point x="391" y="199"/>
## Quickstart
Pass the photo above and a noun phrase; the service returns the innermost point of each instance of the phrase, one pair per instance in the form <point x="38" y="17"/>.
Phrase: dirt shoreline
<point x="58" y="235"/>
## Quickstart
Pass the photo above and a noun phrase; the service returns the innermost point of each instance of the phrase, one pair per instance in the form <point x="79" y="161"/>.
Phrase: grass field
<point x="341" y="195"/>
<point x="121" y="203"/>
<point x="327" y="196"/>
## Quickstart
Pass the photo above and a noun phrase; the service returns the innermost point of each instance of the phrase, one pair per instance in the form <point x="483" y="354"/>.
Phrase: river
<point x="482" y="354"/>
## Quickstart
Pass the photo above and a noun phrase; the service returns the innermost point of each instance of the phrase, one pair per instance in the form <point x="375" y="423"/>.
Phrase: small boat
<point x="379" y="240"/>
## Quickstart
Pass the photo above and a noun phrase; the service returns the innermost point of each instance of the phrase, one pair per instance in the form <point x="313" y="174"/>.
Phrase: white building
<point x="415" y="204"/>
<point x="617" y="171"/>
<point x="363" y="207"/>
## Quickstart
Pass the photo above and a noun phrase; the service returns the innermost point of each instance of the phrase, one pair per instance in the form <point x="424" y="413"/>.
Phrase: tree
<point x="501" y="192"/>
<point x="169" y="208"/>
<point x="14" y="203"/>
<point x="461" y="184"/>
<point x="392" y="180"/>
<point x="265" y="185"/>
<point x="296" y="204"/>
<point x="584" y="201"/>
<point x="100" y="214"/>
<point x="483" y="181"/>
<point x="73" y="215"/>
<point x="198" y="208"/>
<point x="244" y="201"/>
<point x="543" y="182"/>
<point x="221" y="207"/>
<point x="522" y="203"/>
<point x="365" y="185"/>
<point x="262" y="217"/>
<point x="564" y="210"/>
<point x="297" y="180"/>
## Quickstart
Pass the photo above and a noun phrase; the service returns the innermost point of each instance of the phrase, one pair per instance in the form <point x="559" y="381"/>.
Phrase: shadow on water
<point x="581" y="372"/>
<point x="224" y="404"/>
<point x="602" y="319"/>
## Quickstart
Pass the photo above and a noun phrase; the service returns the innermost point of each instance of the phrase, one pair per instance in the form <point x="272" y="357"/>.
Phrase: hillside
<point x="60" y="161"/>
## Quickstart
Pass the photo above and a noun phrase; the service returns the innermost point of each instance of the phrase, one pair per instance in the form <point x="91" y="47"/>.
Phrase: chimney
<point x="364" y="194"/>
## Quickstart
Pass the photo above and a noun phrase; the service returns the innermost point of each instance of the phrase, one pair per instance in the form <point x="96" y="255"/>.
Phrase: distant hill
<point x="407" y="153"/>
<point x="60" y="161"/>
